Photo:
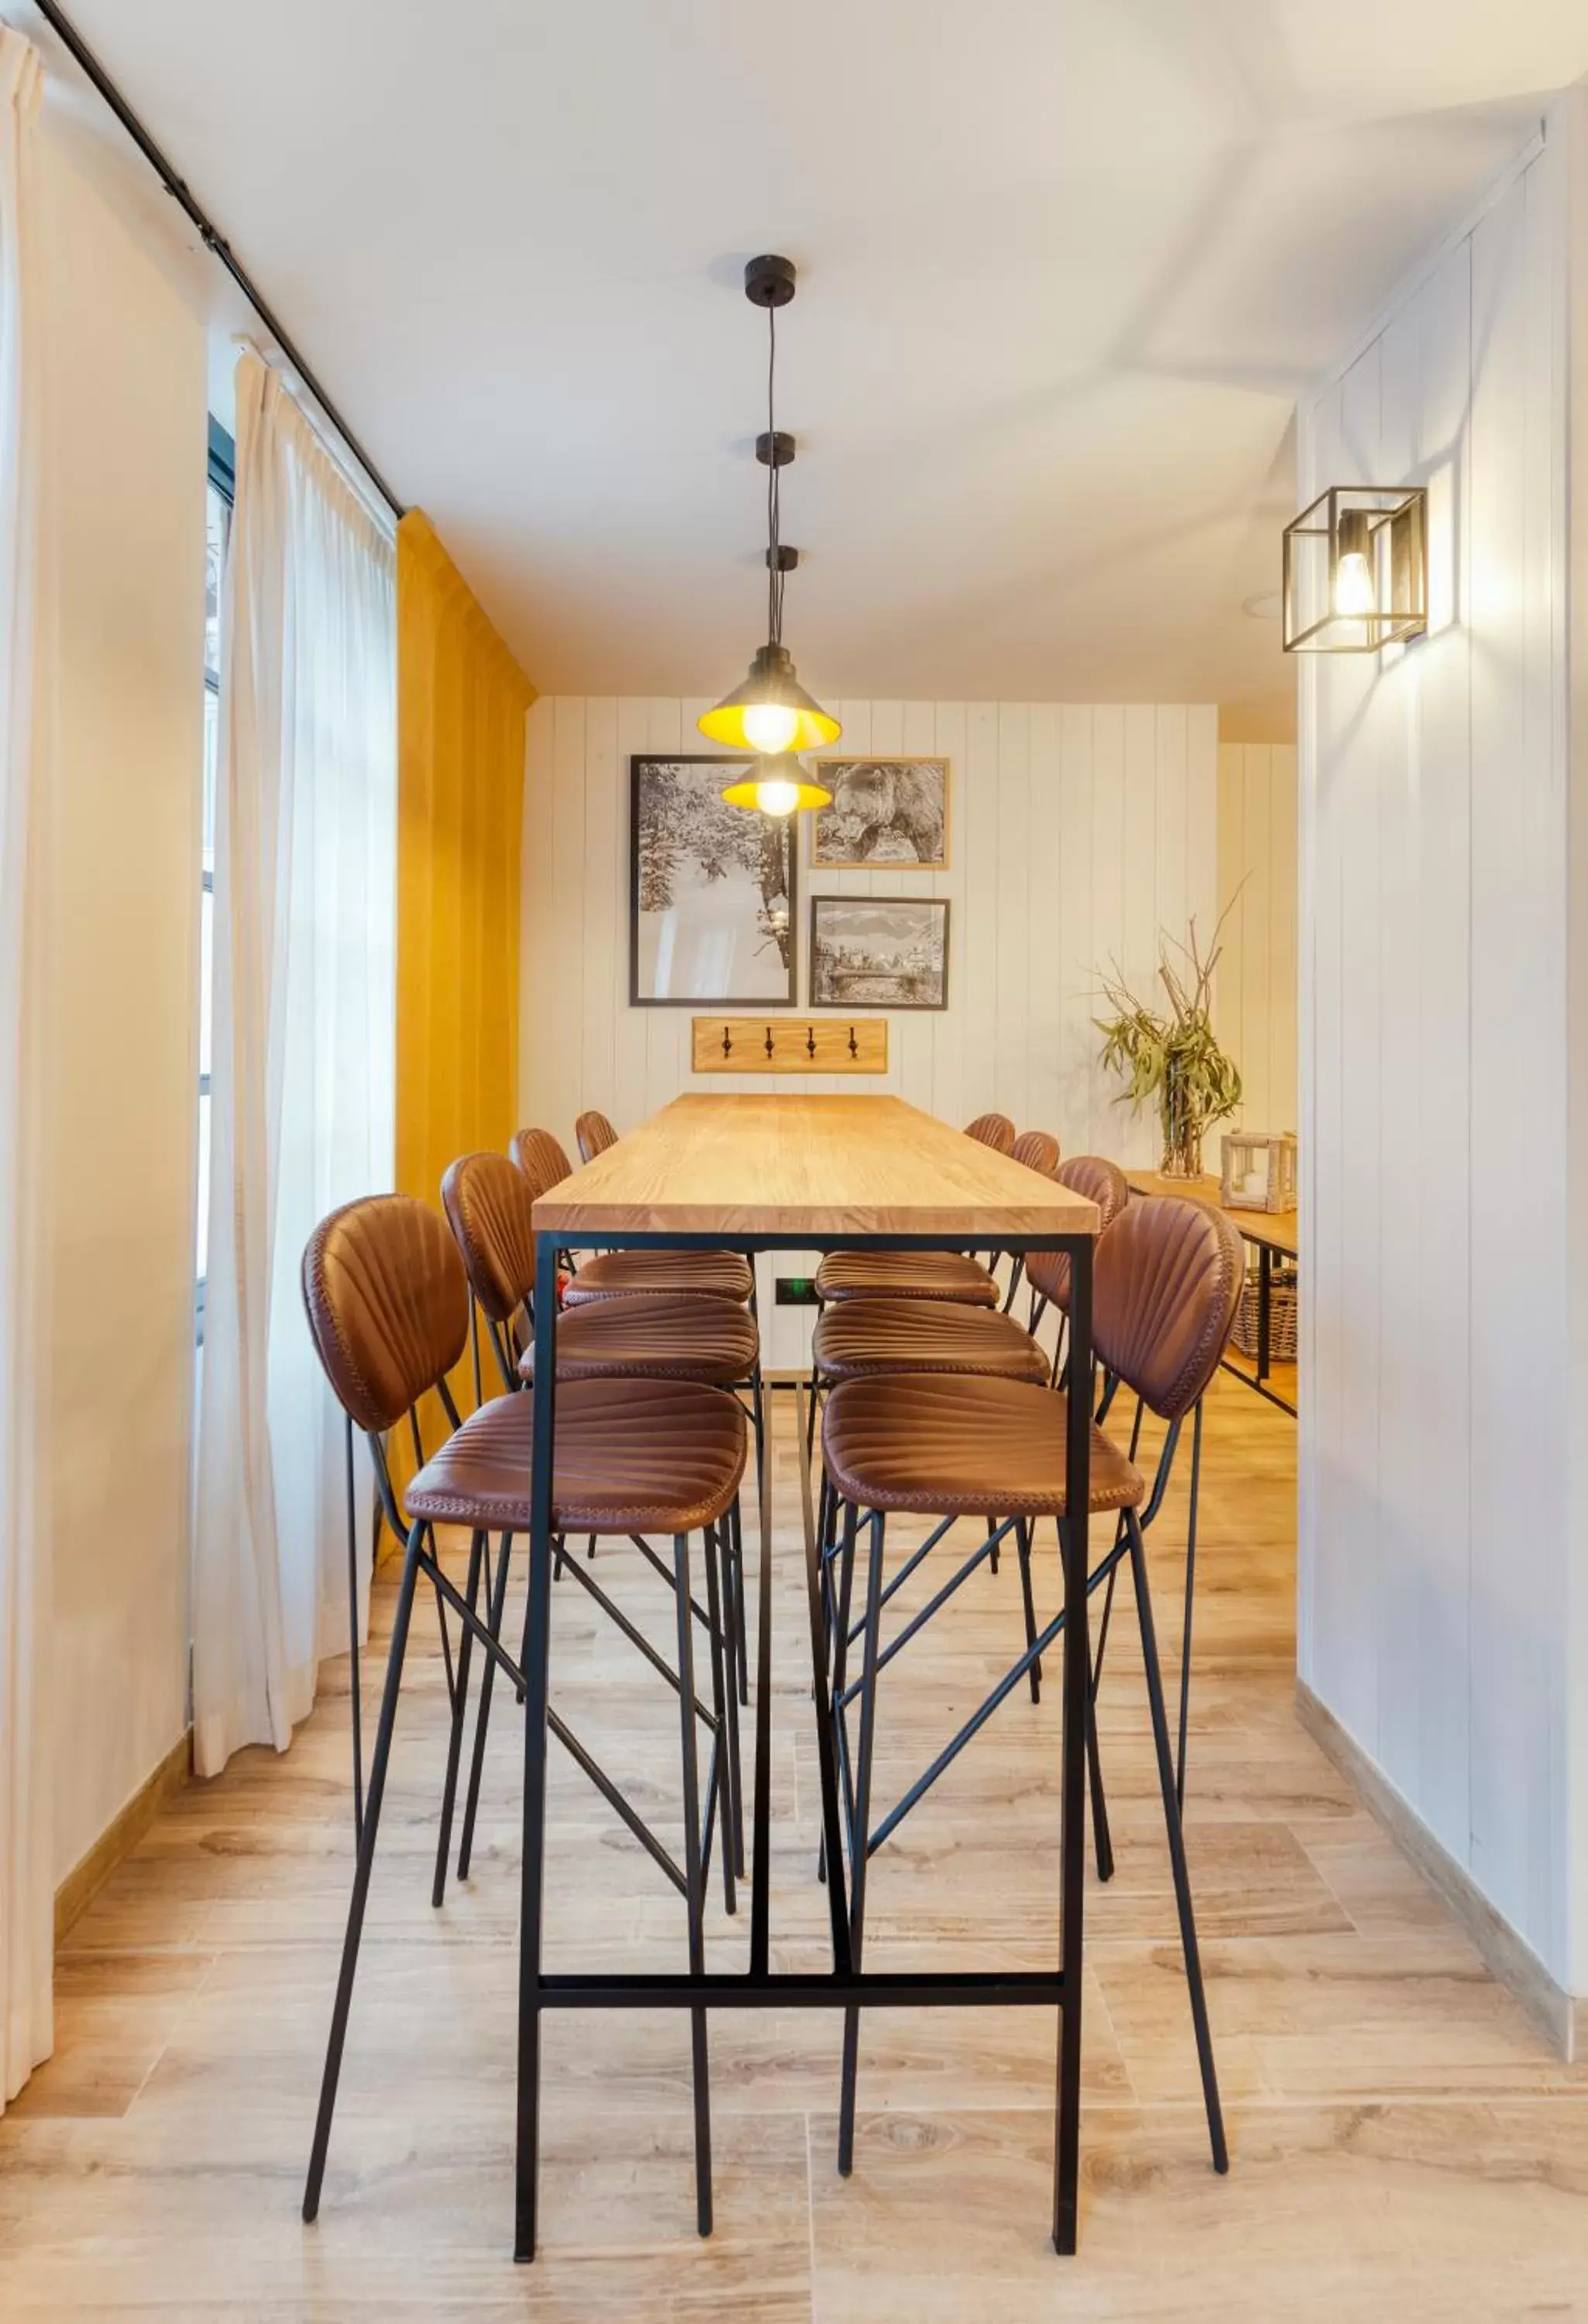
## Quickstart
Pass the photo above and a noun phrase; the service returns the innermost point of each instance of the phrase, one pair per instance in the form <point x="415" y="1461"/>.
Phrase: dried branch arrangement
<point x="1173" y="1056"/>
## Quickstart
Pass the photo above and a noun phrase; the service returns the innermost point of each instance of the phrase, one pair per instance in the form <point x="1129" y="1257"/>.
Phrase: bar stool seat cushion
<point x="700" y="1274"/>
<point x="962" y="1447"/>
<point x="858" y="1338"/>
<point x="632" y="1456"/>
<point x="712" y="1341"/>
<point x="905" y="1274"/>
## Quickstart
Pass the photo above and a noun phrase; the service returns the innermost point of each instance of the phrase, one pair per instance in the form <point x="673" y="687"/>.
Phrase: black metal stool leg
<point x="476" y="1768"/>
<point x="1103" y="1839"/>
<point x="476" y="1558"/>
<point x="859" y="1833"/>
<point x="1190" y="1581"/>
<point x="1171" y="1816"/>
<point x="1022" y="1542"/>
<point x="816" y="1385"/>
<point x="732" y="1538"/>
<point x="367" y="1856"/>
<point x="723" y="1692"/>
<point x="355" y="1674"/>
<point x="695" y="1885"/>
<point x="734" y="1552"/>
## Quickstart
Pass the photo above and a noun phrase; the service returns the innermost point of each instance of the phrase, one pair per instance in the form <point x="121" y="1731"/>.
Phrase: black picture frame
<point x="871" y="905"/>
<point x="744" y="831"/>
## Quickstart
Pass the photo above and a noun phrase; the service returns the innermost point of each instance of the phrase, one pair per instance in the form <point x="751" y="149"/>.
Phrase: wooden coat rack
<point x="790" y="1045"/>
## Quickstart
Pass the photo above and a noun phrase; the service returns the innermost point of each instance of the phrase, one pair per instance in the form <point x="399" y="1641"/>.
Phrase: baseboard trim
<point x="122" y="1834"/>
<point x="1560" y="2017"/>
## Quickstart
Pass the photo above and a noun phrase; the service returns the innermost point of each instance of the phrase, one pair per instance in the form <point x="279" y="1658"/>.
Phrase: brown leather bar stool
<point x="1049" y="1271"/>
<point x="1037" y="1149"/>
<point x="994" y="1129"/>
<point x="1168" y="1277"/>
<point x="490" y="1209"/>
<point x="594" y="1134"/>
<point x="388" y="1306"/>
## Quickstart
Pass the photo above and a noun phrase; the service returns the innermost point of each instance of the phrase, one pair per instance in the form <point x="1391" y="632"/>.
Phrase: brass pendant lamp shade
<point x="771" y="712"/>
<point x="780" y="786"/>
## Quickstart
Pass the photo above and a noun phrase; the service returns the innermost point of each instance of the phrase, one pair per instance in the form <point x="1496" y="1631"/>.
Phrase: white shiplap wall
<point x="1076" y="831"/>
<point x="1437" y="1447"/>
<point x="1255" y="1009"/>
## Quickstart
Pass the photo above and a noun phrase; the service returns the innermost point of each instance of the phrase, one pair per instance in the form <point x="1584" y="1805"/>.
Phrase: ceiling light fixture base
<point x="768" y="282"/>
<point x="781" y="444"/>
<point x="783" y="559"/>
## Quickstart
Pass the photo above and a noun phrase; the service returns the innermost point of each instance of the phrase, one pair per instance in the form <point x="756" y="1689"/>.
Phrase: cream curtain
<point x="27" y="1903"/>
<point x="301" y="1082"/>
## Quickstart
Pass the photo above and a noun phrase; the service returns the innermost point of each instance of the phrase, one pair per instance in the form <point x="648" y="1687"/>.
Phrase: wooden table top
<point x="1280" y="1230"/>
<point x="769" y="1164"/>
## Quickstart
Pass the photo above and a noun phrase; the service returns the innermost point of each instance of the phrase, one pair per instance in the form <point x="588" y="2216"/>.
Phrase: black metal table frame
<point x="1266" y="1252"/>
<point x="843" y="1987"/>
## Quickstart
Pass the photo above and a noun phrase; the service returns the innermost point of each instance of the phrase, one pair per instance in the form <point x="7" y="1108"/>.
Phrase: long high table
<point x="771" y="1173"/>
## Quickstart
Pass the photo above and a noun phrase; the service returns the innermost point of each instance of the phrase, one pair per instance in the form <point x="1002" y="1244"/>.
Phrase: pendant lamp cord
<point x="774" y="579"/>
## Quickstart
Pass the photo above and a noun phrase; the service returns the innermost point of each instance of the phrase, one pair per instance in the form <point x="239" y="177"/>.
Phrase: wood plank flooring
<point x="1403" y="2144"/>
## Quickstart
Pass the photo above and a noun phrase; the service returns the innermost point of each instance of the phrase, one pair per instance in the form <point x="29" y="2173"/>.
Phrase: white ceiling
<point x="1065" y="265"/>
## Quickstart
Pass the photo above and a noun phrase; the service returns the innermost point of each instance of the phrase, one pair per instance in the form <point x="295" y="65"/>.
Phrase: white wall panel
<point x="1435" y="1445"/>
<point x="1075" y="833"/>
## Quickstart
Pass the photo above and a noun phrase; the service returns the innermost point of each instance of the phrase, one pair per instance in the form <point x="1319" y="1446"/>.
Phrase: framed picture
<point x="711" y="891"/>
<point x="879" y="951"/>
<point x="883" y="811"/>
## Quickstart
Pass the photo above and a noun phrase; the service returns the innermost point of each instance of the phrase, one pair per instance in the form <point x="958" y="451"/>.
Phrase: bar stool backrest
<point x="490" y="1208"/>
<point x="1102" y="1183"/>
<point x="387" y="1302"/>
<point x="1166" y="1285"/>
<point x="994" y="1130"/>
<point x="543" y="1161"/>
<point x="1037" y="1151"/>
<point x="594" y="1134"/>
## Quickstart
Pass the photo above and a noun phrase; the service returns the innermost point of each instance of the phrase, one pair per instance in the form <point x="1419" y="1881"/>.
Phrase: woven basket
<point x="1282" y="1318"/>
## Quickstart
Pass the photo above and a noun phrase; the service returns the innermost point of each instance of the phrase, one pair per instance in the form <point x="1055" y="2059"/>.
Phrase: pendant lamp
<point x="772" y="712"/>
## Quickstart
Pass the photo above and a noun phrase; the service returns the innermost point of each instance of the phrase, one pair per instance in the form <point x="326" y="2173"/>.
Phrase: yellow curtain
<point x="461" y="700"/>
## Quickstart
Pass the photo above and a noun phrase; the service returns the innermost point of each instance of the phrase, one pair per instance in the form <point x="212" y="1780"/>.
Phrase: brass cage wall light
<point x="1356" y="570"/>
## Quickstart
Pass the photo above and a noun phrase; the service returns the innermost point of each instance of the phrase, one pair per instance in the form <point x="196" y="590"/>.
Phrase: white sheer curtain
<point x="27" y="1903"/>
<point x="303" y="1054"/>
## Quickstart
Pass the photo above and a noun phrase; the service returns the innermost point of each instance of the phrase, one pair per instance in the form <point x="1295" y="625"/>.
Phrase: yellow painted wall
<point x="461" y="701"/>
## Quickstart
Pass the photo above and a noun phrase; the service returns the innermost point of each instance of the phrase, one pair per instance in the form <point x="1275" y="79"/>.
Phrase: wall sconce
<point x="1356" y="570"/>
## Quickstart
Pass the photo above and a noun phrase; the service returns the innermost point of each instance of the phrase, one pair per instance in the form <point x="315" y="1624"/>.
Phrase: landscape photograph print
<point x="883" y="811"/>
<point x="879" y="951"/>
<point x="711" y="890"/>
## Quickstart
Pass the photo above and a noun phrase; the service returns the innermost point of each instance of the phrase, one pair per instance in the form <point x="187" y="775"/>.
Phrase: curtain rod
<point x="210" y="236"/>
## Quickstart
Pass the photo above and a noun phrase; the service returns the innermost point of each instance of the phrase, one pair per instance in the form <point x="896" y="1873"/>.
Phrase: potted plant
<point x="1173" y="1054"/>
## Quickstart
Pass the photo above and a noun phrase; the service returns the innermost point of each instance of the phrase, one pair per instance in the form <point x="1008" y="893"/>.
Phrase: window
<point x="217" y="527"/>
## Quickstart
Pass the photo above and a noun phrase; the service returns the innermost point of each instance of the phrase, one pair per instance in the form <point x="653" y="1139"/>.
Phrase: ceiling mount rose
<point x="772" y="712"/>
<point x="768" y="282"/>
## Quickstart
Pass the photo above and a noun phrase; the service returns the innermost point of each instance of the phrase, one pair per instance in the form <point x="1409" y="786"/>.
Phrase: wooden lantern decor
<point x="1257" y="1171"/>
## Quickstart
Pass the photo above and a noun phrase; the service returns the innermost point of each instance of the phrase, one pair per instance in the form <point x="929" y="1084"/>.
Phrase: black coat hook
<point x="810" y="1040"/>
<point x="771" y="1046"/>
<point x="853" y="1044"/>
<point x="727" y="1041"/>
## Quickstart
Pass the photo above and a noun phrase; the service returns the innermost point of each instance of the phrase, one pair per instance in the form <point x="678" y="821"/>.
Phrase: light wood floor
<point x="1403" y="2144"/>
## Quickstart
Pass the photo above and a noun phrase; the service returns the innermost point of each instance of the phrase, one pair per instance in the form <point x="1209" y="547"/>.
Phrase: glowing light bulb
<point x="778" y="796"/>
<point x="1353" y="585"/>
<point x="770" y="726"/>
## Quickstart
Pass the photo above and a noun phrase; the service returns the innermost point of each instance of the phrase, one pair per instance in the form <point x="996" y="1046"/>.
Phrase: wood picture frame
<point x="888" y="813"/>
<point x="912" y="930"/>
<point x="698" y="931"/>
